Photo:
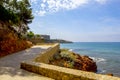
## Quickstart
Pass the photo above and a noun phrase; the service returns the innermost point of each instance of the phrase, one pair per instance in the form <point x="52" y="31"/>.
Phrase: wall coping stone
<point x="38" y="67"/>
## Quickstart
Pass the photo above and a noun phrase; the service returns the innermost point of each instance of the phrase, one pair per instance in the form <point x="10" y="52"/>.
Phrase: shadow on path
<point x="10" y="65"/>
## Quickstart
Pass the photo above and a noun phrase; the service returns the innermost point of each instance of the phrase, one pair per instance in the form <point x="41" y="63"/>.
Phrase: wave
<point x="70" y="49"/>
<point x="101" y="71"/>
<point x="98" y="59"/>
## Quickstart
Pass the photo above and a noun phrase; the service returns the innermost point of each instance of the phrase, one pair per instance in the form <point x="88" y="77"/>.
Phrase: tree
<point x="17" y="13"/>
<point x="37" y="35"/>
<point x="30" y="34"/>
<point x="7" y="16"/>
<point x="25" y="14"/>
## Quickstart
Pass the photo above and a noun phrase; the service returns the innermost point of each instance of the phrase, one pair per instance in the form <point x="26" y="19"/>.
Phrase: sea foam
<point x="96" y="59"/>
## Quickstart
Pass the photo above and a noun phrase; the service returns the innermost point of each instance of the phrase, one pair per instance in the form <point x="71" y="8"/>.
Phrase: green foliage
<point x="24" y="11"/>
<point x="68" y="54"/>
<point x="64" y="49"/>
<point x="30" y="34"/>
<point x="17" y="13"/>
<point x="37" y="35"/>
<point x="70" y="64"/>
<point x="1" y="2"/>
<point x="8" y="16"/>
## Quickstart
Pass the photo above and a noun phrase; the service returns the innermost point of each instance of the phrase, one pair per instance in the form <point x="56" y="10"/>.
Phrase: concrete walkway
<point x="10" y="65"/>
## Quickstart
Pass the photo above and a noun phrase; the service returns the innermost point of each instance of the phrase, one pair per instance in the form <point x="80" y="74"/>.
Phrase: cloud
<point x="101" y="1"/>
<point x="42" y="13"/>
<point x="51" y="6"/>
<point x="56" y="5"/>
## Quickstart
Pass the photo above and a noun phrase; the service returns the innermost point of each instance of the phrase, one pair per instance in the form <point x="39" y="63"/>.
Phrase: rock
<point x="10" y="43"/>
<point x="85" y="63"/>
<point x="109" y="74"/>
<point x="72" y="60"/>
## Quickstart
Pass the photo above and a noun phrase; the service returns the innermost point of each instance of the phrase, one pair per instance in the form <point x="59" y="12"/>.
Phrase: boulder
<point x="85" y="63"/>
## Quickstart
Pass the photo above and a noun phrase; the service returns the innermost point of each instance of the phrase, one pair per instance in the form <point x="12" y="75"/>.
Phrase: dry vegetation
<point x="10" y="43"/>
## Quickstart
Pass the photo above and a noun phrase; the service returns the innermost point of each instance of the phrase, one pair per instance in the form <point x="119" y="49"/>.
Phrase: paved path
<point x="10" y="65"/>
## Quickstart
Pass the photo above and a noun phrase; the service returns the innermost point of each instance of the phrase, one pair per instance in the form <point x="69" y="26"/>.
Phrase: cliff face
<point x="10" y="42"/>
<point x="72" y="60"/>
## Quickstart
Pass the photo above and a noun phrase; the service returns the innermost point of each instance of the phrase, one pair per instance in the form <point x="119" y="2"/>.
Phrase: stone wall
<point x="39" y="65"/>
<point x="44" y="57"/>
<point x="61" y="73"/>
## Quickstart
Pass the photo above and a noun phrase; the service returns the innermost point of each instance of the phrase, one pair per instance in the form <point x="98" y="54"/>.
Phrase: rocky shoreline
<point x="66" y="58"/>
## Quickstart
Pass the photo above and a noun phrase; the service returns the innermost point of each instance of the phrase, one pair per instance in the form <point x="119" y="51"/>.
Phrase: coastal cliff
<point x="10" y="43"/>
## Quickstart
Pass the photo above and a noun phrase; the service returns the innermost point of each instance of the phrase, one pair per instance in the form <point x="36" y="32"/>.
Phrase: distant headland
<point x="60" y="41"/>
<point x="39" y="38"/>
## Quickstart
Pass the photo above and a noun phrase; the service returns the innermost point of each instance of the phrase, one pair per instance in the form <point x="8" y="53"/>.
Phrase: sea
<point x="105" y="54"/>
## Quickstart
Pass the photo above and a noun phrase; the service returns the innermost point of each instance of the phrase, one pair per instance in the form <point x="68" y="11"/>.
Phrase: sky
<point x="77" y="20"/>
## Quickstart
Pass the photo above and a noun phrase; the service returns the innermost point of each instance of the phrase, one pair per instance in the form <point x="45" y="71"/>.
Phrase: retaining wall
<point x="47" y="55"/>
<point x="39" y="65"/>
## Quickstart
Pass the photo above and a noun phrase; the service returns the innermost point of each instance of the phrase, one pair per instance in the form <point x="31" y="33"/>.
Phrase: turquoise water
<point x="105" y="54"/>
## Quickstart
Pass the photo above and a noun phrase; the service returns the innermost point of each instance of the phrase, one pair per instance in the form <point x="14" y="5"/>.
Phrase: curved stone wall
<point x="39" y="65"/>
<point x="45" y="56"/>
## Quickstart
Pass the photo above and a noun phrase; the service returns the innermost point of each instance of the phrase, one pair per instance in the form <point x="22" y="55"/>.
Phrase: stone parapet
<point x="47" y="55"/>
<point x="40" y="65"/>
<point x="61" y="73"/>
